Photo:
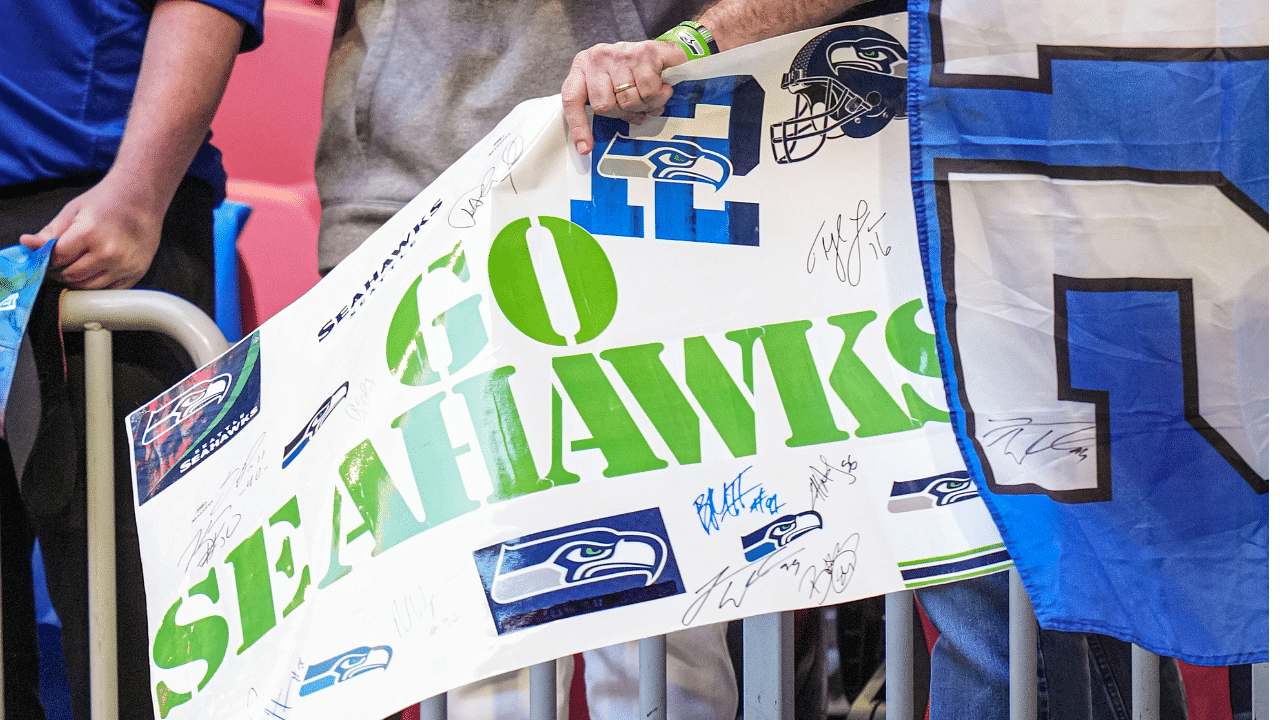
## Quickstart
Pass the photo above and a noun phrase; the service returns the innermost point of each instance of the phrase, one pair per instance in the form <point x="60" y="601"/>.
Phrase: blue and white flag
<point x="1091" y="193"/>
<point x="21" y="272"/>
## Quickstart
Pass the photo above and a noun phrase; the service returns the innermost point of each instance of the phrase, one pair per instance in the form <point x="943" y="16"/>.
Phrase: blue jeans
<point x="1083" y="676"/>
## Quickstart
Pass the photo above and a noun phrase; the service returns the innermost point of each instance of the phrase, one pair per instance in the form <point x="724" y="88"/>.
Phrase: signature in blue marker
<point x="733" y="500"/>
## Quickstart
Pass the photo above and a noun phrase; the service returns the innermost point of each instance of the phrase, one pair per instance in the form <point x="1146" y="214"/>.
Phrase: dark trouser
<point x="21" y="671"/>
<point x="52" y="465"/>
<point x="1082" y="676"/>
<point x="1086" y="675"/>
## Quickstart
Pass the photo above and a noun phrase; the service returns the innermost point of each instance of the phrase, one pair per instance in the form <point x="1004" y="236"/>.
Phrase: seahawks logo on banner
<point x="710" y="135"/>
<point x="192" y="420"/>
<point x="341" y="668"/>
<point x="779" y="533"/>
<point x="578" y="569"/>
<point x="848" y="82"/>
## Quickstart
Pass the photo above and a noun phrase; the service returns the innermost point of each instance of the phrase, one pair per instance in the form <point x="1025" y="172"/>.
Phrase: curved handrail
<point x="146" y="310"/>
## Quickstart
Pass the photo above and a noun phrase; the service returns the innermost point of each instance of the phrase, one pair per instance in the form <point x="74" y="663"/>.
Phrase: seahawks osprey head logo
<point x="185" y="407"/>
<point x="674" y="160"/>
<point x="778" y="533"/>
<point x="322" y="413"/>
<point x="931" y="492"/>
<point x="577" y="558"/>
<point x="344" y="667"/>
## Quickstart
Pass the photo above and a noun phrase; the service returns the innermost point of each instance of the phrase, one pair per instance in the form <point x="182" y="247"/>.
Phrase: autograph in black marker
<point x="845" y="251"/>
<point x="418" y="607"/>
<point x="1022" y="437"/>
<point x="820" y="478"/>
<point x="834" y="573"/>
<point x="730" y="588"/>
<point x="463" y="213"/>
<point x="278" y="707"/>
<point x="216" y="521"/>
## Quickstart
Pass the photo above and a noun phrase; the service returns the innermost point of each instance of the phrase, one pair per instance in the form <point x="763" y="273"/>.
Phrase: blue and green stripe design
<point x="956" y="566"/>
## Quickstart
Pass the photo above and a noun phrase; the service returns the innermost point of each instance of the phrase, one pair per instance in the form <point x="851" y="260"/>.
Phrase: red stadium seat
<point x="269" y="119"/>
<point x="277" y="247"/>
<point x="266" y="128"/>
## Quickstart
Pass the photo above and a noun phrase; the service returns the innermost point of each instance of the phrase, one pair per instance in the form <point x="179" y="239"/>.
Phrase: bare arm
<point x="624" y="80"/>
<point x="734" y="23"/>
<point x="109" y="235"/>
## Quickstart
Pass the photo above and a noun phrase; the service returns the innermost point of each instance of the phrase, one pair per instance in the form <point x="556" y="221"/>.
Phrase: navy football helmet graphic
<point x="322" y="413"/>
<point x="577" y="558"/>
<point x="931" y="492"/>
<point x="778" y="533"/>
<point x="676" y="160"/>
<point x="344" y="667"/>
<point x="849" y="81"/>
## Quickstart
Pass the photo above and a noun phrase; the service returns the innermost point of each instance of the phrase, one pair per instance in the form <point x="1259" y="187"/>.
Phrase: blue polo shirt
<point x="68" y="69"/>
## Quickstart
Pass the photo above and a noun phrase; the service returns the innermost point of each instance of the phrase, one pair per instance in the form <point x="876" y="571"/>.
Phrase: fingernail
<point x="582" y="147"/>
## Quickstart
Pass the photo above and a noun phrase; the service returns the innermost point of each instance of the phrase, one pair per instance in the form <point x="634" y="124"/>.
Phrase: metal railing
<point x="768" y="640"/>
<point x="98" y="313"/>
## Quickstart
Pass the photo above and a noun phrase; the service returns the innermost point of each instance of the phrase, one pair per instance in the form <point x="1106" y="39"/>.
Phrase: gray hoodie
<point x="413" y="84"/>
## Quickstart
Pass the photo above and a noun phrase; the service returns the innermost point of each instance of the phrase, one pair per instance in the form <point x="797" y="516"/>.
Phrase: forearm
<point x="186" y="62"/>
<point x="734" y="23"/>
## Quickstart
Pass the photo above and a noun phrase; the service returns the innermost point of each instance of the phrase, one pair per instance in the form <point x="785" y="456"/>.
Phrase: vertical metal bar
<point x="1260" y="691"/>
<point x="768" y="667"/>
<point x="899" y="654"/>
<point x="98" y="312"/>
<point x="435" y="707"/>
<point x="1146" y="685"/>
<point x="653" y="678"/>
<point x="542" y="691"/>
<point x="1023" y="646"/>
<point x="100" y="459"/>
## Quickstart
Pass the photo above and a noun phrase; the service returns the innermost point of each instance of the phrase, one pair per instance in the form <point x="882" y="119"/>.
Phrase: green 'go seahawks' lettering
<point x="176" y="645"/>
<point x="799" y="387"/>
<point x="613" y="431"/>
<point x="915" y="350"/>
<point x="407" y="350"/>
<point x="670" y="411"/>
<point x="587" y="272"/>
<point x="434" y="460"/>
<point x="284" y="564"/>
<point x="253" y="588"/>
<point x="207" y="638"/>
<point x="504" y="444"/>
<point x="725" y="405"/>
<point x="501" y="434"/>
<point x="866" y="398"/>
<point x="369" y="484"/>
<point x="660" y="398"/>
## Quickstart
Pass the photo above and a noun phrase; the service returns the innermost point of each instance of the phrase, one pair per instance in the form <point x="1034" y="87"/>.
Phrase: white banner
<point x="561" y="402"/>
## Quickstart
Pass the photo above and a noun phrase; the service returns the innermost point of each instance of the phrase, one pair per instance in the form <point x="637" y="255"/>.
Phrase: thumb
<point x="55" y="228"/>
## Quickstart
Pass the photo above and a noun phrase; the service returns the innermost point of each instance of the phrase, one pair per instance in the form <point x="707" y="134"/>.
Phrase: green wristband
<point x="693" y="38"/>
